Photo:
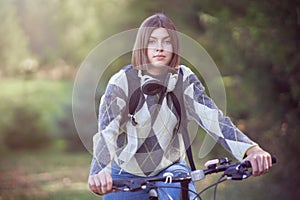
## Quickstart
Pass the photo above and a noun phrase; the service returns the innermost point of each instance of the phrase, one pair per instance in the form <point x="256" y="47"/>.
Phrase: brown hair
<point x="139" y="54"/>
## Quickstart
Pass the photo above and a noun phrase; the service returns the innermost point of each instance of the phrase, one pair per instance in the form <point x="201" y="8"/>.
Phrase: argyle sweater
<point x="151" y="144"/>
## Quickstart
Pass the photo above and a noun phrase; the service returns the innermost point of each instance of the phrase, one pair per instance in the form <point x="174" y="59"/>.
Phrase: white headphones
<point x="152" y="86"/>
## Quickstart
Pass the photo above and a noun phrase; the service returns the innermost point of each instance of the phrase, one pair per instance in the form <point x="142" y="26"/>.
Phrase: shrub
<point x="67" y="130"/>
<point x="25" y="129"/>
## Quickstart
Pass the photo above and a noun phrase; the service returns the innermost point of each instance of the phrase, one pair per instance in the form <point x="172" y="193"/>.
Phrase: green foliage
<point x="67" y="130"/>
<point x="41" y="100"/>
<point x="81" y="26"/>
<point x="36" y="18"/>
<point x="255" y="49"/>
<point x="13" y="41"/>
<point x="25" y="129"/>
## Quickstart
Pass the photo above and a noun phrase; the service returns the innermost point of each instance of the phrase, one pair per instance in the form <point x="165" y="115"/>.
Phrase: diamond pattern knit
<point x="151" y="145"/>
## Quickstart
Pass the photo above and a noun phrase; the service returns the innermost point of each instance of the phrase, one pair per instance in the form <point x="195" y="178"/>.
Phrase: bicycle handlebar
<point x="134" y="183"/>
<point x="248" y="164"/>
<point x="236" y="171"/>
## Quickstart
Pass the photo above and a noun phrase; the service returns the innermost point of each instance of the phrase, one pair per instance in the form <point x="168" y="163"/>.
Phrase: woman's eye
<point x="151" y="42"/>
<point x="167" y="42"/>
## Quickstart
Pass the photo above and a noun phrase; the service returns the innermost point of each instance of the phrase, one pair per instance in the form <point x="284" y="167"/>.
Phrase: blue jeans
<point x="176" y="168"/>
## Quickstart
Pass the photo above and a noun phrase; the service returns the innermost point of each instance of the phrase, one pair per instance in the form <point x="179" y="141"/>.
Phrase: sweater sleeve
<point x="201" y="108"/>
<point x="112" y="105"/>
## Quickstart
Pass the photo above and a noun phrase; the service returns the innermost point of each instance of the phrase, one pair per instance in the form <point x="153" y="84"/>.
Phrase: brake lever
<point x="246" y="165"/>
<point x="237" y="172"/>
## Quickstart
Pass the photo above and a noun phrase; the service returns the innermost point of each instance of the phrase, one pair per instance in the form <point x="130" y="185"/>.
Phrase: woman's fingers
<point x="103" y="183"/>
<point x="93" y="185"/>
<point x="109" y="182"/>
<point x="100" y="183"/>
<point x="261" y="160"/>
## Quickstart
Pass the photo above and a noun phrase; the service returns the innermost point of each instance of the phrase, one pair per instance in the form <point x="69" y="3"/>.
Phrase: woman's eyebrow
<point x="166" y="37"/>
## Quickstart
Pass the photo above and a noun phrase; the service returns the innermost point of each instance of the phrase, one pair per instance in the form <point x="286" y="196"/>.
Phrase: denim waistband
<point x="179" y="167"/>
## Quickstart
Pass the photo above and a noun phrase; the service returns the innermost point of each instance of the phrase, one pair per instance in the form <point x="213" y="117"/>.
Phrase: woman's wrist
<point x="253" y="149"/>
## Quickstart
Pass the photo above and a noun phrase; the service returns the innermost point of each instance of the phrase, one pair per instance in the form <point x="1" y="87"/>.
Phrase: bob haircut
<point x="139" y="54"/>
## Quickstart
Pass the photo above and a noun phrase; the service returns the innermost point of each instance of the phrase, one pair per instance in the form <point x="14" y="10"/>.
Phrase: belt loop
<point x="120" y="172"/>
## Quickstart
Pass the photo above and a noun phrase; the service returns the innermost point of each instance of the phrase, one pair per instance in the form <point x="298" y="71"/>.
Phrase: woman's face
<point x="159" y="50"/>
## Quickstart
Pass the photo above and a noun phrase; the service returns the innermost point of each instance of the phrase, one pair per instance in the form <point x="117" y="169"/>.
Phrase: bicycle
<point x="236" y="171"/>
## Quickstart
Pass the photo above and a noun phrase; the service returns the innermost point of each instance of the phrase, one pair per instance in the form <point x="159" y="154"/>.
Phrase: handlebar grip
<point x="274" y="160"/>
<point x="248" y="164"/>
<point x="120" y="183"/>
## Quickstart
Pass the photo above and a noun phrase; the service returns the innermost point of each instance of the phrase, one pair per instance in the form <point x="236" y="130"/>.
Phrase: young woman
<point x="143" y="140"/>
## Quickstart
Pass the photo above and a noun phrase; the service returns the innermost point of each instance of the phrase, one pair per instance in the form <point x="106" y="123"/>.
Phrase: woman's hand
<point x="261" y="161"/>
<point x="100" y="183"/>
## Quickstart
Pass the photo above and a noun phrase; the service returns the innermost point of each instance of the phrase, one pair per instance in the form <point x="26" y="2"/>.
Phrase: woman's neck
<point x="157" y="71"/>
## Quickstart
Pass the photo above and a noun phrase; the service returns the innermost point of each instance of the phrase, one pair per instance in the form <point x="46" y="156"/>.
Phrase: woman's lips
<point x="159" y="57"/>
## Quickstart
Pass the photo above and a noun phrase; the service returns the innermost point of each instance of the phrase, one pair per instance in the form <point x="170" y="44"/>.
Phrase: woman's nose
<point x="159" y="47"/>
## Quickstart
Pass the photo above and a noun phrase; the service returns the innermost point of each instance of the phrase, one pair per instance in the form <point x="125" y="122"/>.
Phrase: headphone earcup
<point x="152" y="87"/>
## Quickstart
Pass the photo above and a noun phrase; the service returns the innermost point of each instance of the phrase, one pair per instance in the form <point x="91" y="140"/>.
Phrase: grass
<point x="45" y="175"/>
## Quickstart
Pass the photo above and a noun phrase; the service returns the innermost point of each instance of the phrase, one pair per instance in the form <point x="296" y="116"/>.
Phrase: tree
<point x="13" y="41"/>
<point x="257" y="44"/>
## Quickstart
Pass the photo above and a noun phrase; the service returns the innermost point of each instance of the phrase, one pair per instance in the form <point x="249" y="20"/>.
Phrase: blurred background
<point x="255" y="45"/>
